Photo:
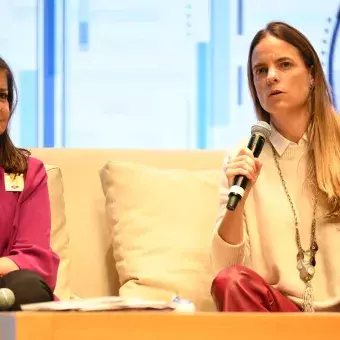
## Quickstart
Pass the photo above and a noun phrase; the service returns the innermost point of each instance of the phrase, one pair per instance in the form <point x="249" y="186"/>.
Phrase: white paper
<point x="100" y="304"/>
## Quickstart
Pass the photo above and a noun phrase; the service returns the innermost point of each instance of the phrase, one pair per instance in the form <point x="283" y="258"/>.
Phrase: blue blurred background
<point x="159" y="74"/>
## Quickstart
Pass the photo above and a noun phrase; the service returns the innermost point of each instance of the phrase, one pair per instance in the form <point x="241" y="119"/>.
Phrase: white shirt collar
<point x="281" y="143"/>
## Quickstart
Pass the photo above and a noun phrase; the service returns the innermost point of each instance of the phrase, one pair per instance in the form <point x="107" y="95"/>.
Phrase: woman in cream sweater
<point x="279" y="250"/>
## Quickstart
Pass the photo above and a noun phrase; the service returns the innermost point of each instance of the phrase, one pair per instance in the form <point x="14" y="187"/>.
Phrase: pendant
<point x="304" y="274"/>
<point x="306" y="265"/>
<point x="315" y="247"/>
<point x="312" y="261"/>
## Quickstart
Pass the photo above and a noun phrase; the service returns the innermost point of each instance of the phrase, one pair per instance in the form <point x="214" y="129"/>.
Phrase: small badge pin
<point x="14" y="182"/>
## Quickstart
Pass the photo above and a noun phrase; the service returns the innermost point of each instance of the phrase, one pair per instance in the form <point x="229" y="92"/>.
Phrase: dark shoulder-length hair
<point x="12" y="159"/>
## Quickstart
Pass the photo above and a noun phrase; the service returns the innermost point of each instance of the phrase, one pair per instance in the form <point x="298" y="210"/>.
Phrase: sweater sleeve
<point x="224" y="254"/>
<point x="30" y="247"/>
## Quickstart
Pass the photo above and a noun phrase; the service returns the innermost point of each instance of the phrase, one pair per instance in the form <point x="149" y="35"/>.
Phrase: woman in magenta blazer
<point x="28" y="266"/>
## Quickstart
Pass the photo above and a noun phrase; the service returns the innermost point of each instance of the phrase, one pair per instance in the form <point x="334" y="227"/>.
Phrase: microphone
<point x="260" y="132"/>
<point x="7" y="299"/>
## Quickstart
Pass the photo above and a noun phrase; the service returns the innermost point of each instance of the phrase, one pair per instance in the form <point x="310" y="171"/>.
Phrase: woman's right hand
<point x="244" y="163"/>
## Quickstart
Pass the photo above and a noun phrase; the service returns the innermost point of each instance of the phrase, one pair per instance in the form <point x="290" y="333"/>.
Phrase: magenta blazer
<point x="25" y="224"/>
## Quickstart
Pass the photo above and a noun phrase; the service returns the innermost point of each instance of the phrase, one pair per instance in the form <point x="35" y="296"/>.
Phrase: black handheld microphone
<point x="260" y="132"/>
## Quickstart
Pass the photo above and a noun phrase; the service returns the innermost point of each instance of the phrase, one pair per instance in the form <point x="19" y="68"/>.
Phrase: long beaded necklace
<point x="305" y="258"/>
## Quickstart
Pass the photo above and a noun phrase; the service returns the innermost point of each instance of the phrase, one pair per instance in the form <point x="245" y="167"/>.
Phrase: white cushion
<point x="161" y="224"/>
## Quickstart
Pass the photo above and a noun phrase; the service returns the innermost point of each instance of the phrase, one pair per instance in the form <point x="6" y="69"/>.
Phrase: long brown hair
<point x="12" y="159"/>
<point x="324" y="129"/>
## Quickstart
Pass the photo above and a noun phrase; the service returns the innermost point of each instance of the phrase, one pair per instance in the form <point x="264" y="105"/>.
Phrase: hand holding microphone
<point x="245" y="166"/>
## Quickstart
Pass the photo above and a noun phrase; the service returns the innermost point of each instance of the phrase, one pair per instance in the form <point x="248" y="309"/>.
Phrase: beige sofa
<point x="86" y="241"/>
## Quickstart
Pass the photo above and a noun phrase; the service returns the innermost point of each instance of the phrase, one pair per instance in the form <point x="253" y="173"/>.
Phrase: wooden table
<point x="167" y="326"/>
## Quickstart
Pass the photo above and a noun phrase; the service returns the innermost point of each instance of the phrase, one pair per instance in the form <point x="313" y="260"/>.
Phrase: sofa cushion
<point x="161" y="223"/>
<point x="59" y="235"/>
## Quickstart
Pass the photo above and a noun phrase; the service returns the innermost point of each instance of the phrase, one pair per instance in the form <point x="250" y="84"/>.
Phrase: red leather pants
<point x="239" y="289"/>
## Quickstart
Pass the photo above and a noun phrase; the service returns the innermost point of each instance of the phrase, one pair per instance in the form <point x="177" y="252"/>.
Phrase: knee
<point x="228" y="282"/>
<point x="27" y="286"/>
<point x="230" y="277"/>
<point x="22" y="277"/>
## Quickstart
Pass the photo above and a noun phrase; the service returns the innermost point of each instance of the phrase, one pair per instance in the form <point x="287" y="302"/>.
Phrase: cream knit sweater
<point x="269" y="246"/>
